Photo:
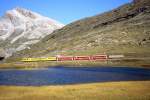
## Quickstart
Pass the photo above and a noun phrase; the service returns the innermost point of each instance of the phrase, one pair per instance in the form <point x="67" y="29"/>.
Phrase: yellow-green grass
<point x="134" y="90"/>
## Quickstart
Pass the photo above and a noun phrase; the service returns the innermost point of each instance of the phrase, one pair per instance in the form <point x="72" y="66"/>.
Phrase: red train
<point x="93" y="57"/>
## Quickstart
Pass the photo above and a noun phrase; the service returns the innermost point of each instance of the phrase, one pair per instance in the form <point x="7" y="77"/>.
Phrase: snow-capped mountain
<point x="19" y="28"/>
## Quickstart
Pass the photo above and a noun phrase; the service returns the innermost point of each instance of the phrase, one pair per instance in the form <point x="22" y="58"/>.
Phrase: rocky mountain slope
<point x="20" y="28"/>
<point x="125" y="29"/>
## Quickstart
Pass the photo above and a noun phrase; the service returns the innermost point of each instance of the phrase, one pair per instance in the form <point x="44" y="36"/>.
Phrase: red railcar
<point x="82" y="58"/>
<point x="65" y="58"/>
<point x="99" y="57"/>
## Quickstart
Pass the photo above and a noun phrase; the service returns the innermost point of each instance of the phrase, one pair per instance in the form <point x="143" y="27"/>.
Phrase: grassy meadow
<point x="132" y="90"/>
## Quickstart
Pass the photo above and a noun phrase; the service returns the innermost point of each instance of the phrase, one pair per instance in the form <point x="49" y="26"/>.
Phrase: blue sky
<point x="64" y="11"/>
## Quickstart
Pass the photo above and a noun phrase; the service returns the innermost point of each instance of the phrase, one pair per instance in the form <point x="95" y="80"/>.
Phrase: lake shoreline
<point x="32" y="65"/>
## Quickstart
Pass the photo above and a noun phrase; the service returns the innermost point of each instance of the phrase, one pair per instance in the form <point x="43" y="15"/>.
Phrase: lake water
<point x="65" y="75"/>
